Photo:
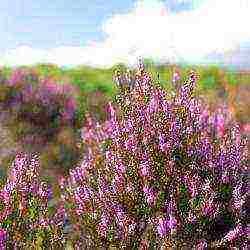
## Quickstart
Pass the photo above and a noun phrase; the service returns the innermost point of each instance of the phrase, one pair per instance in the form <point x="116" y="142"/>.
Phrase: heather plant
<point x="39" y="99"/>
<point x="162" y="171"/>
<point x="27" y="220"/>
<point x="39" y="109"/>
<point x="52" y="101"/>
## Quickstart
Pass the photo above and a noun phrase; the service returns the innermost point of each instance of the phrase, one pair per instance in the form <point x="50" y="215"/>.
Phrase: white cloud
<point x="22" y="55"/>
<point x="151" y="30"/>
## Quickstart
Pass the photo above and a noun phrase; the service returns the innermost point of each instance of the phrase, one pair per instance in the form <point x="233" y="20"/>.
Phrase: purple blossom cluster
<point x="167" y="161"/>
<point x="24" y="213"/>
<point x="27" y="89"/>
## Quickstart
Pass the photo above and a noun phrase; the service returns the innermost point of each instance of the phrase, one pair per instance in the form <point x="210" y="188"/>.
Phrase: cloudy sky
<point x="101" y="33"/>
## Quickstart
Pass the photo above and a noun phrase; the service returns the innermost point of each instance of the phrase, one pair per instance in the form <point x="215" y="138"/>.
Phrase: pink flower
<point x="176" y="77"/>
<point x="150" y="195"/>
<point x="5" y="205"/>
<point x="153" y="105"/>
<point x="104" y="225"/>
<point x="130" y="143"/>
<point x="144" y="245"/>
<point x="162" y="227"/>
<point x="233" y="234"/>
<point x="191" y="217"/>
<point x="246" y="128"/>
<point x="220" y="125"/>
<point x="210" y="208"/>
<point x="3" y="237"/>
<point x="202" y="245"/>
<point x="144" y="170"/>
<point x="172" y="222"/>
<point x="118" y="183"/>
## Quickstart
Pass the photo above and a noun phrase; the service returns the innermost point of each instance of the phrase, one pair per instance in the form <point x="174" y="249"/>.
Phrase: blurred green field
<point x="214" y="82"/>
<point x="91" y="79"/>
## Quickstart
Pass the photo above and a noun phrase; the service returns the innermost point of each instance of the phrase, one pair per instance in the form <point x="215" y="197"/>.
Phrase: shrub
<point x="40" y="108"/>
<point x="26" y="217"/>
<point x="39" y="100"/>
<point x="166" y="171"/>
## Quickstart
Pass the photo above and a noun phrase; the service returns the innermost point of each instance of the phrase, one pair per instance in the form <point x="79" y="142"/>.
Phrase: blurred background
<point x="50" y="77"/>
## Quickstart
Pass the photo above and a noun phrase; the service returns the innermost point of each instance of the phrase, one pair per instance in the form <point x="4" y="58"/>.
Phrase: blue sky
<point x="49" y="23"/>
<point x="101" y="33"/>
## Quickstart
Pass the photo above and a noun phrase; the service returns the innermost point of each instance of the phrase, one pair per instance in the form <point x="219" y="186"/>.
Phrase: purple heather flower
<point x="153" y="105"/>
<point x="163" y="144"/>
<point x="104" y="225"/>
<point x="191" y="217"/>
<point x="43" y="191"/>
<point x="210" y="208"/>
<point x="129" y="125"/>
<point x="238" y="199"/>
<point x="202" y="245"/>
<point x="176" y="77"/>
<point x="75" y="175"/>
<point x="144" y="169"/>
<point x="171" y="206"/>
<point x="183" y="124"/>
<point x="172" y="222"/>
<point x="118" y="182"/>
<point x="192" y="182"/>
<point x="16" y="78"/>
<point x="162" y="227"/>
<point x="3" y="237"/>
<point x="233" y="234"/>
<point x="104" y="189"/>
<point x="145" y="165"/>
<point x="110" y="157"/>
<point x="112" y="112"/>
<point x="43" y="222"/>
<point x="9" y="186"/>
<point x="5" y="200"/>
<point x="149" y="194"/>
<point x="130" y="143"/>
<point x="120" y="216"/>
<point x="120" y="168"/>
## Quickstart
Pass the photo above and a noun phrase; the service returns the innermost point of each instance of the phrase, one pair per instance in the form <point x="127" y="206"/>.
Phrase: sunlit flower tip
<point x="103" y="225"/>
<point x="176" y="77"/>
<point x="144" y="245"/>
<point x="5" y="207"/>
<point x="43" y="222"/>
<point x="233" y="234"/>
<point x="150" y="195"/>
<point x="202" y="245"/>
<point x="162" y="227"/>
<point x="172" y="222"/>
<point x="191" y="217"/>
<point x="111" y="110"/>
<point x="144" y="170"/>
<point x="3" y="236"/>
<point x="129" y="187"/>
<point x="162" y="143"/>
<point x="61" y="182"/>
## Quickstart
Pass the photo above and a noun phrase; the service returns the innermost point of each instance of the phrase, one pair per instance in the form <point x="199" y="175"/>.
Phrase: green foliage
<point x="209" y="78"/>
<point x="184" y="201"/>
<point x="225" y="192"/>
<point x="231" y="78"/>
